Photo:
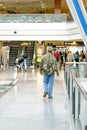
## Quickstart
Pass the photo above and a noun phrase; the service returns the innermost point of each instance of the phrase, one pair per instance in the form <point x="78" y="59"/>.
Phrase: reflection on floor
<point x="24" y="108"/>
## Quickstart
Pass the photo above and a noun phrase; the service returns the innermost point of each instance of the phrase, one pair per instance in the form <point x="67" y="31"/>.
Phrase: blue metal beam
<point x="80" y="15"/>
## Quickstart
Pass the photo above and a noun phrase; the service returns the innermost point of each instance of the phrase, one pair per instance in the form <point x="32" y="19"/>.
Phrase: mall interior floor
<point x="24" y="108"/>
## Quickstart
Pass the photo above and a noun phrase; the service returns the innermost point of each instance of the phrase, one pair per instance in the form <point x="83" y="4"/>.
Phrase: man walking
<point x="48" y="66"/>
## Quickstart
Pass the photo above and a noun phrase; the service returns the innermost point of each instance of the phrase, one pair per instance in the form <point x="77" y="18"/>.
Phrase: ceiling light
<point x="42" y="6"/>
<point x="4" y="7"/>
<point x="17" y="0"/>
<point x="1" y="4"/>
<point x="41" y="2"/>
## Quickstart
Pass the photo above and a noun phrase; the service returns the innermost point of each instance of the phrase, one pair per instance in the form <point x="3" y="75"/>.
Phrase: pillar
<point x="57" y="6"/>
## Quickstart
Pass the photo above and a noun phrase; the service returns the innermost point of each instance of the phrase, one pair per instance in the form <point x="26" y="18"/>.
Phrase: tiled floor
<point x="24" y="108"/>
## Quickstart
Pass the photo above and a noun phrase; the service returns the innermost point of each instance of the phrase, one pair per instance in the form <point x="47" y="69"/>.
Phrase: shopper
<point x="86" y="55"/>
<point x="21" y="62"/>
<point x="57" y="55"/>
<point x="70" y="57"/>
<point x="48" y="66"/>
<point x="17" y="64"/>
<point x="25" y="61"/>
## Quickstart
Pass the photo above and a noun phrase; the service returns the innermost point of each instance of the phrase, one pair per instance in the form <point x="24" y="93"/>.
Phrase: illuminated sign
<point x="24" y="44"/>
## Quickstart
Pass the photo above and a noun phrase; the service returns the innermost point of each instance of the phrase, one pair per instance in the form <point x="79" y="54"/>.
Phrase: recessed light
<point x="17" y="0"/>
<point x="4" y="7"/>
<point x="1" y="4"/>
<point x="42" y="6"/>
<point x="41" y="2"/>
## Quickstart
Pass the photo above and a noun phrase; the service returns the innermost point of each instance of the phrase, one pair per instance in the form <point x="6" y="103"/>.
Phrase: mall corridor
<point x="24" y="108"/>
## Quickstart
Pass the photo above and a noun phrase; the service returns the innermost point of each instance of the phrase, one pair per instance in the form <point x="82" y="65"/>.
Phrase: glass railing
<point x="32" y="18"/>
<point x="76" y="86"/>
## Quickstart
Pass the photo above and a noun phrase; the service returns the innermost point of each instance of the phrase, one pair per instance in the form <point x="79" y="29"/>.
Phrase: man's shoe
<point x="45" y="94"/>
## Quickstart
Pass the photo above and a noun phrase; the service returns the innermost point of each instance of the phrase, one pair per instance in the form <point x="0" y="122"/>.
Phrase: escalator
<point x="15" y="51"/>
<point x="29" y="51"/>
<point x="13" y="55"/>
<point x="80" y="17"/>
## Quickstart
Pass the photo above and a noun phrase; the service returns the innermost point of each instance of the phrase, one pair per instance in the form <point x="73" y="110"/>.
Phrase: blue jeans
<point x="25" y="64"/>
<point x="48" y="84"/>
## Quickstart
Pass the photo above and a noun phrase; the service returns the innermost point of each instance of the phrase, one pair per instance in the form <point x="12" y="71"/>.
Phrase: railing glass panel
<point x="35" y="18"/>
<point x="76" y="85"/>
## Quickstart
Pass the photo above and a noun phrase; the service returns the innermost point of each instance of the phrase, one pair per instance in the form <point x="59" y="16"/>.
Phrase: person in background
<point x="57" y="55"/>
<point x="86" y="55"/>
<point x="70" y="57"/>
<point x="82" y="56"/>
<point x="76" y="56"/>
<point x="21" y="61"/>
<point x="17" y="64"/>
<point x="25" y="61"/>
<point x="48" y="66"/>
<point x="61" y="60"/>
<point x="65" y="55"/>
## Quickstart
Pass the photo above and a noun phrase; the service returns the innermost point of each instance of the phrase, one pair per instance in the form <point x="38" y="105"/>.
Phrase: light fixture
<point x="4" y="7"/>
<point x="42" y="6"/>
<point x="41" y="2"/>
<point x="74" y="42"/>
<point x="1" y="4"/>
<point x="17" y="1"/>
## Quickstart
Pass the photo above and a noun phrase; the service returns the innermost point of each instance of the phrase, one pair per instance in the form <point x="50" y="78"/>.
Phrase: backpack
<point x="57" y="55"/>
<point x="47" y="69"/>
<point x="49" y="66"/>
<point x="21" y="60"/>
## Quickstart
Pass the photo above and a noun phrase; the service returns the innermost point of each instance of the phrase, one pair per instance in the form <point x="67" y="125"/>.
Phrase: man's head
<point x="49" y="49"/>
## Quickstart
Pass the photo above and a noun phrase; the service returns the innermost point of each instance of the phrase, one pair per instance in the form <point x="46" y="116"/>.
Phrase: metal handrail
<point x="82" y="90"/>
<point x="74" y="87"/>
<point x="69" y="63"/>
<point x="75" y="78"/>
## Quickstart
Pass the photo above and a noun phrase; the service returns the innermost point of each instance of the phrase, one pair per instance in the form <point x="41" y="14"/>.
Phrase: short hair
<point x="49" y="49"/>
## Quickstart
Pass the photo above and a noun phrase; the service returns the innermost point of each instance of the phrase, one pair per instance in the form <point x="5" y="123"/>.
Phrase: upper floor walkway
<point x="38" y="27"/>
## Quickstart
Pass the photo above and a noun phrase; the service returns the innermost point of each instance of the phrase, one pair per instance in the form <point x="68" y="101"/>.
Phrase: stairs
<point x="13" y="55"/>
<point x="29" y="52"/>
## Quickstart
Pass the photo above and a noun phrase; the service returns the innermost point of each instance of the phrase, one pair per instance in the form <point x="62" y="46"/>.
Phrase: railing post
<point x="71" y="85"/>
<point x="73" y="102"/>
<point x="86" y="127"/>
<point x="67" y="77"/>
<point x="77" y="103"/>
